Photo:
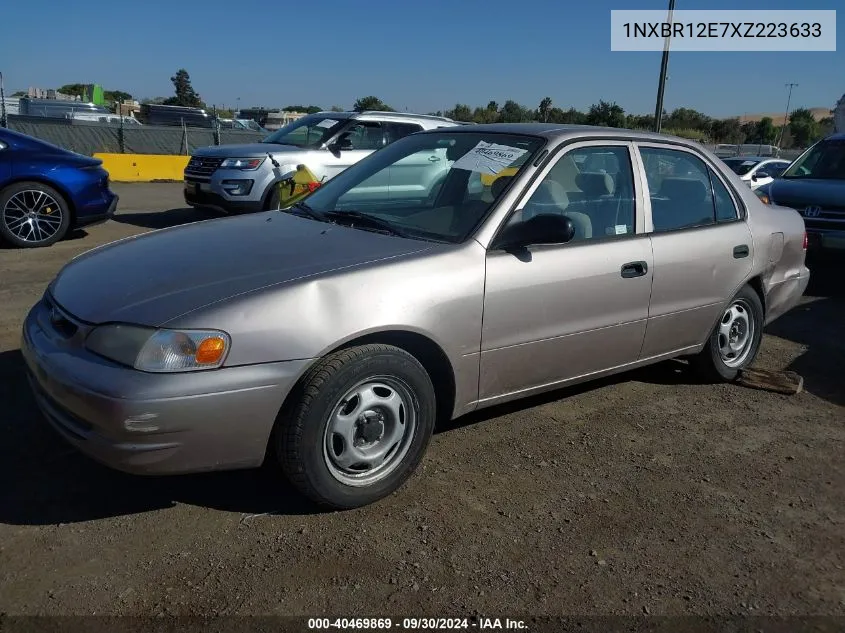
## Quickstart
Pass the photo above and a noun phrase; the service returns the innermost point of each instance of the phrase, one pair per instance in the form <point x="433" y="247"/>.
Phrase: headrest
<point x="690" y="189"/>
<point x="594" y="183"/>
<point x="499" y="185"/>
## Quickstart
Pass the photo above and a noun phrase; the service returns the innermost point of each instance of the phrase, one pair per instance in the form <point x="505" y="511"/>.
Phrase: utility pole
<point x="664" y="65"/>
<point x="785" y="116"/>
<point x="2" y="103"/>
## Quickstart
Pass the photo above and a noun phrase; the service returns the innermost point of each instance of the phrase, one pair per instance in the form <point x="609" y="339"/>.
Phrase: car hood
<point x="802" y="192"/>
<point x="246" y="150"/>
<point x="156" y="277"/>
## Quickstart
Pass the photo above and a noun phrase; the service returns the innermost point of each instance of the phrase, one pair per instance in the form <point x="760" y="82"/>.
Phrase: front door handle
<point x="634" y="269"/>
<point x="741" y="251"/>
<point x="434" y="159"/>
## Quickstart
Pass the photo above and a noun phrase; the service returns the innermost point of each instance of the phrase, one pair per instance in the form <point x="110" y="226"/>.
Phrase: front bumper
<point x="825" y="240"/>
<point x="147" y="423"/>
<point x="196" y="197"/>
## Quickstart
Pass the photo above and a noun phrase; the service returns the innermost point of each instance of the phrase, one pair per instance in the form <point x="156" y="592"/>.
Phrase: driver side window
<point x="592" y="186"/>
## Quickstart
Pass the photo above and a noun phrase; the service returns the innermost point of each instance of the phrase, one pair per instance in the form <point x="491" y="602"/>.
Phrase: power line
<point x="786" y="116"/>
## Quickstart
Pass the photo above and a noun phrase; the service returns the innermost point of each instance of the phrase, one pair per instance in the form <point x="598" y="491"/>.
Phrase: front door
<point x="701" y="243"/>
<point x="558" y="312"/>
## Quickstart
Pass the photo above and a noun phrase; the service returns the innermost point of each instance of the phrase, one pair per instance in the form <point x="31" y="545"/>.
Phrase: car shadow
<point x="816" y="324"/>
<point x="168" y="218"/>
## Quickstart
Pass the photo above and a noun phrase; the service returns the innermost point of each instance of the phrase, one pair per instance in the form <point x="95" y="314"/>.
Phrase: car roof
<point x="387" y="115"/>
<point x="757" y="158"/>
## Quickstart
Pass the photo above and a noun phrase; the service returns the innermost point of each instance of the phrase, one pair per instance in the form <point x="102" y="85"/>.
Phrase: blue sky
<point x="422" y="56"/>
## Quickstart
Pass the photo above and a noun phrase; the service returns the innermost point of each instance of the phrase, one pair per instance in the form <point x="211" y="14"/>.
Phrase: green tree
<point x="74" y="90"/>
<point x="639" y="121"/>
<point x="111" y="96"/>
<point x="371" y="103"/>
<point x="727" y="131"/>
<point x="312" y="109"/>
<point x="687" y="118"/>
<point x="803" y="127"/>
<point x="607" y="114"/>
<point x="544" y="109"/>
<point x="336" y="108"/>
<point x="185" y="94"/>
<point x="512" y="112"/>
<point x="461" y="112"/>
<point x="765" y="131"/>
<point x="486" y="115"/>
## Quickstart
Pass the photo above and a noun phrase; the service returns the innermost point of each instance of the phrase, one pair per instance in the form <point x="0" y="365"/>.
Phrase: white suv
<point x="242" y="178"/>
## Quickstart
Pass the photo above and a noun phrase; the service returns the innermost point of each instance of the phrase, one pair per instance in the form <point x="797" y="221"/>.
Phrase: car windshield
<point x="825" y="160"/>
<point x="437" y="186"/>
<point x="309" y="131"/>
<point x="740" y="166"/>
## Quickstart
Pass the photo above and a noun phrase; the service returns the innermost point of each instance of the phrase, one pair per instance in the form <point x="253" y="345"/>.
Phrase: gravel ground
<point x="646" y="493"/>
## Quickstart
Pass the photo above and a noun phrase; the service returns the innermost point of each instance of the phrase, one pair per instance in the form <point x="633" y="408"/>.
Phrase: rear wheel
<point x="358" y="426"/>
<point x="33" y="215"/>
<point x="735" y="341"/>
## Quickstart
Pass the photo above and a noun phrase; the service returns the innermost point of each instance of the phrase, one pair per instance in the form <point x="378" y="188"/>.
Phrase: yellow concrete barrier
<point x="143" y="167"/>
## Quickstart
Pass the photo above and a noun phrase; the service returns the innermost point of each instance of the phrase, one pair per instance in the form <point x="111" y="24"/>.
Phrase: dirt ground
<point x="646" y="493"/>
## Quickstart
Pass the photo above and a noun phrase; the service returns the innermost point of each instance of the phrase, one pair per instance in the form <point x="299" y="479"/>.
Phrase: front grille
<point x="202" y="166"/>
<point x="819" y="217"/>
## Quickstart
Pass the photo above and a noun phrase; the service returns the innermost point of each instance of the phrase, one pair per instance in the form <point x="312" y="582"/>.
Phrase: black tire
<point x="272" y="198"/>
<point x="301" y="434"/>
<point x="709" y="363"/>
<point x="29" y="191"/>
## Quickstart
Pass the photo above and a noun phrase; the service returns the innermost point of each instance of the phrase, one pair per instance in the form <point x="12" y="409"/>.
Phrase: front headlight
<point x="156" y="350"/>
<point x="245" y="164"/>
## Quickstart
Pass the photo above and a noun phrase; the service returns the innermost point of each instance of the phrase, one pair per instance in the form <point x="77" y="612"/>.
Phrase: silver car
<point x="243" y="178"/>
<point x="333" y="334"/>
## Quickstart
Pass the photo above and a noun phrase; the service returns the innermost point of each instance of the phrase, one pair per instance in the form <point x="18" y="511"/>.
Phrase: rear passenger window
<point x="395" y="131"/>
<point x="679" y="188"/>
<point x="725" y="208"/>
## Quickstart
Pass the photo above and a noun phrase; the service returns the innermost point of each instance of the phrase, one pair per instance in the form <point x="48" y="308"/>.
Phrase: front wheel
<point x="735" y="340"/>
<point x="359" y="425"/>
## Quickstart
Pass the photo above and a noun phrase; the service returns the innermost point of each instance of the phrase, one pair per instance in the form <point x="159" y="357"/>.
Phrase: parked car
<point x="58" y="108"/>
<point x="332" y="334"/>
<point x="240" y="178"/>
<point x="156" y="114"/>
<point x="45" y="191"/>
<point x="815" y="186"/>
<point x="756" y="171"/>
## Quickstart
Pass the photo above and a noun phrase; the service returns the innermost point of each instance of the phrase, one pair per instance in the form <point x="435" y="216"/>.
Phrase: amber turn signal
<point x="210" y="350"/>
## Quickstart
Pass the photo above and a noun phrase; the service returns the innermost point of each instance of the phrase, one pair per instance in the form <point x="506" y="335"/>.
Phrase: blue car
<point x="45" y="191"/>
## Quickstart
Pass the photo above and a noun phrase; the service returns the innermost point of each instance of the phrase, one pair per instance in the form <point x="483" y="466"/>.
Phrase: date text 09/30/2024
<point x="415" y="624"/>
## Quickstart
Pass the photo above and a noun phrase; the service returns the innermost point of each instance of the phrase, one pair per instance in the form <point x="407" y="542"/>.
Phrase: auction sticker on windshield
<point x="489" y="158"/>
<point x="326" y="123"/>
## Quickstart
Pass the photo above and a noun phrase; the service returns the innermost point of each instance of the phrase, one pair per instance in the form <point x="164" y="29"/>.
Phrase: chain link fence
<point x="87" y="137"/>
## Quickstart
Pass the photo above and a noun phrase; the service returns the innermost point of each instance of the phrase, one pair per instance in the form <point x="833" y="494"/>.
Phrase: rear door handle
<point x="741" y="251"/>
<point x="634" y="269"/>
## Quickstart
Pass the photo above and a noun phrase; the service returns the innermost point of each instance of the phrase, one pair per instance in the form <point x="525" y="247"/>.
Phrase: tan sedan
<point x="332" y="334"/>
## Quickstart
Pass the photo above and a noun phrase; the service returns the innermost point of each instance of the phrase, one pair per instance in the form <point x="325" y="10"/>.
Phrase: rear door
<point x="701" y="246"/>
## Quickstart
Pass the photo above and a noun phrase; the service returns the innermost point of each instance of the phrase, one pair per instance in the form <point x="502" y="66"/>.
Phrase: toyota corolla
<point x="332" y="335"/>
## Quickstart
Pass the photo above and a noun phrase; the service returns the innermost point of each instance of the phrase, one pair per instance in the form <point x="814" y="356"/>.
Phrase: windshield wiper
<point x="366" y="220"/>
<point x="307" y="210"/>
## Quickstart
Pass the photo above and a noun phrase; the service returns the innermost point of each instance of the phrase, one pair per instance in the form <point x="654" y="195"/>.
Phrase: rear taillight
<point x="806" y="241"/>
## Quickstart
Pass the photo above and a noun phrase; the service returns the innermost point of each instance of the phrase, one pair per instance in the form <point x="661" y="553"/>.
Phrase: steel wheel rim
<point x="369" y="431"/>
<point x="736" y="333"/>
<point x="33" y="216"/>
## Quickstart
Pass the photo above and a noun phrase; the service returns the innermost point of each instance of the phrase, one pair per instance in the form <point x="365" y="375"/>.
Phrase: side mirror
<point x="760" y="174"/>
<point x="546" y="228"/>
